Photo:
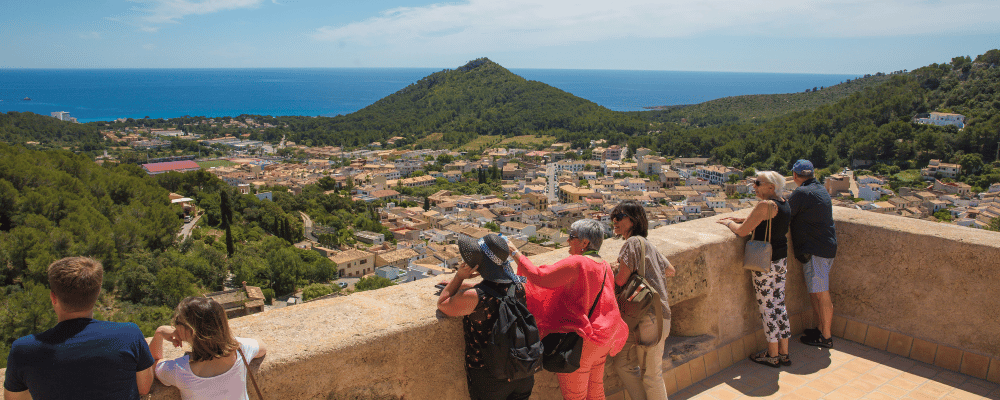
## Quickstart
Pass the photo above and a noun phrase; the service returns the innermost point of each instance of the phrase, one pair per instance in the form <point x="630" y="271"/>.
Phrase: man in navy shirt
<point x="79" y="358"/>
<point x="815" y="240"/>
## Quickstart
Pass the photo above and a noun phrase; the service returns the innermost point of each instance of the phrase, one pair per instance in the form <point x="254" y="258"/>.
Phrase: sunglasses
<point x="572" y="236"/>
<point x="618" y="217"/>
<point x="756" y="183"/>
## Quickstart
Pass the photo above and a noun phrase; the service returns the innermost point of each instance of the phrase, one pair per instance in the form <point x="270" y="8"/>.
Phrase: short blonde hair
<point x="773" y="178"/>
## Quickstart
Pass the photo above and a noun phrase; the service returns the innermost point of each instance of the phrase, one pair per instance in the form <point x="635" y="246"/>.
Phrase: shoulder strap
<point x="642" y="255"/>
<point x="250" y="373"/>
<point x="769" y="218"/>
<point x="657" y="305"/>
<point x="599" y="293"/>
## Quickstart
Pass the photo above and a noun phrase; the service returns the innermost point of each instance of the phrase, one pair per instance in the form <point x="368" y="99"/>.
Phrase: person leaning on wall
<point x="769" y="286"/>
<point x="81" y="357"/>
<point x="479" y="312"/>
<point x="640" y="364"/>
<point x="561" y="296"/>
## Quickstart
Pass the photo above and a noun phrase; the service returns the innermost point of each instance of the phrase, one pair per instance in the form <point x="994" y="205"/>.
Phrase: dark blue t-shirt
<point x="813" y="231"/>
<point x="79" y="359"/>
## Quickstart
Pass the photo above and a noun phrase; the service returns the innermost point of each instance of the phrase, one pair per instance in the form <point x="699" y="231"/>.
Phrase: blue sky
<point x="808" y="36"/>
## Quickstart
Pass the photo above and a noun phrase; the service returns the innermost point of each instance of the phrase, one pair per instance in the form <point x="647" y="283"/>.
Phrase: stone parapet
<point x="931" y="282"/>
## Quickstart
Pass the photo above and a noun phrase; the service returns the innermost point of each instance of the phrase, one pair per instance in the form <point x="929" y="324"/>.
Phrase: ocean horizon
<point x="108" y="94"/>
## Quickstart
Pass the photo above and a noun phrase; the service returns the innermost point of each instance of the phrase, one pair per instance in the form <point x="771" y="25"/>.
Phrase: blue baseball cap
<point x="803" y="167"/>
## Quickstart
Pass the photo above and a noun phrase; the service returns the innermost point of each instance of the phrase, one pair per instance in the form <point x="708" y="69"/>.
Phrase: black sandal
<point x="785" y="360"/>
<point x="764" y="359"/>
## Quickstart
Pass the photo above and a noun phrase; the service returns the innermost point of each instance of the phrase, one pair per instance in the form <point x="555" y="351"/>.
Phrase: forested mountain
<point x="479" y="98"/>
<point x="18" y="127"/>
<point x="873" y="124"/>
<point x="760" y="107"/>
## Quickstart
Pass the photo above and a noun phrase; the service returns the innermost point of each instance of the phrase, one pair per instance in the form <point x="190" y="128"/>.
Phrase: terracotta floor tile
<point x="823" y="385"/>
<point x="951" y="378"/>
<point x="885" y="372"/>
<point x="873" y="379"/>
<point x="724" y="393"/>
<point x="793" y="381"/>
<point x="925" y="371"/>
<point x="862" y="384"/>
<point x="963" y="395"/>
<point x="923" y="395"/>
<point x="903" y="383"/>
<point x="892" y="391"/>
<point x="846" y="392"/>
<point x="877" y="396"/>
<point x="808" y="393"/>
<point x="936" y="389"/>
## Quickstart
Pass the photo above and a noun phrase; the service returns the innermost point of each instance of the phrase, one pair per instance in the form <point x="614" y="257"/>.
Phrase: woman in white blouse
<point x="213" y="369"/>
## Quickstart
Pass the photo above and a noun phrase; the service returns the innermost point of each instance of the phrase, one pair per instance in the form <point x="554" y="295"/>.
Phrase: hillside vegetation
<point x="479" y="98"/>
<point x="760" y="107"/>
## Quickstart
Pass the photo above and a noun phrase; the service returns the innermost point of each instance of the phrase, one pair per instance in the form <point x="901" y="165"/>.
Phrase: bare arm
<point x="761" y="212"/>
<point x="144" y="379"/>
<point x="455" y="301"/>
<point x="261" y="349"/>
<point x="8" y="395"/>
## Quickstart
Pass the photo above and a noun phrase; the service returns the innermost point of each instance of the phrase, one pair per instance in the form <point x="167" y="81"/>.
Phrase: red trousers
<point x="588" y="381"/>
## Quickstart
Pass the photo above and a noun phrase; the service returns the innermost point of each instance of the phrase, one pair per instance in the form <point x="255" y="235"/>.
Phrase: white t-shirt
<point x="231" y="385"/>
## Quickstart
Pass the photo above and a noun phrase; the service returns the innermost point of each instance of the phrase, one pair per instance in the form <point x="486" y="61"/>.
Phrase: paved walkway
<point x="849" y="371"/>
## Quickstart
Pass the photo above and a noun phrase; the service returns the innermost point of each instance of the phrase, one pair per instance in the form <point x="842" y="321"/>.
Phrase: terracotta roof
<point x="170" y="166"/>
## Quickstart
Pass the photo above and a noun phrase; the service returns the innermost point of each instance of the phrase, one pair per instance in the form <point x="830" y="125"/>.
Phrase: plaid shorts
<point x="817" y="274"/>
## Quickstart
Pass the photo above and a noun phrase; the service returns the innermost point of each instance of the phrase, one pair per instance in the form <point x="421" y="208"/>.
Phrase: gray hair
<point x="590" y="230"/>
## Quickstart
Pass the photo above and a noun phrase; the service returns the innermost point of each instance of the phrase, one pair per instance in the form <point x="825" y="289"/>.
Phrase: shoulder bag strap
<point x="657" y="304"/>
<point x="599" y="293"/>
<point x="769" y="218"/>
<point x="250" y="373"/>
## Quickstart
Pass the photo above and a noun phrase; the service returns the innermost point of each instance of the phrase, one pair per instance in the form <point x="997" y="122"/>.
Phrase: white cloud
<point x="490" y="25"/>
<point x="158" y="12"/>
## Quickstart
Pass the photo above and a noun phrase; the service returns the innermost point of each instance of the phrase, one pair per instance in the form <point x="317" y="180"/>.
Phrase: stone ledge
<point x="927" y="280"/>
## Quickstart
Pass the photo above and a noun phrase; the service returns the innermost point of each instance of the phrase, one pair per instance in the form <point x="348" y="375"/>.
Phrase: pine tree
<point x="229" y="241"/>
<point x="427" y="203"/>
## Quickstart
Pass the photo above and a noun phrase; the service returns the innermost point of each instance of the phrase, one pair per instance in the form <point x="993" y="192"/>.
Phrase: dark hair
<point x="76" y="282"/>
<point x="634" y="211"/>
<point x="804" y="176"/>
<point x="211" y="337"/>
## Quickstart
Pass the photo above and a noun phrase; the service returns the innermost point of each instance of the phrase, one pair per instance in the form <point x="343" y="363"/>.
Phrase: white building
<point x="943" y="119"/>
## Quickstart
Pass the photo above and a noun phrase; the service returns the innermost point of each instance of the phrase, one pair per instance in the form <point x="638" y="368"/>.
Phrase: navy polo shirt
<point x="812" y="226"/>
<point x="79" y="358"/>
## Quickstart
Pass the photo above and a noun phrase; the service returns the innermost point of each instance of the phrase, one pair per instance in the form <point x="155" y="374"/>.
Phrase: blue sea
<point x="108" y="94"/>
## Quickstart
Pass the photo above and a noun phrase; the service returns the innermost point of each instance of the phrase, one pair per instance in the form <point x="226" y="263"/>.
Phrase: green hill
<point x="21" y="127"/>
<point x="874" y="124"/>
<point x="760" y="107"/>
<point x="479" y="98"/>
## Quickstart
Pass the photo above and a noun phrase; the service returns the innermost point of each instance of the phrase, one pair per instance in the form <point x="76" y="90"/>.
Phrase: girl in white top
<point x="213" y="369"/>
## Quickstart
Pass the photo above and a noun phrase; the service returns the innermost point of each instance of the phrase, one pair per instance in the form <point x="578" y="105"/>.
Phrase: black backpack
<point x="514" y="350"/>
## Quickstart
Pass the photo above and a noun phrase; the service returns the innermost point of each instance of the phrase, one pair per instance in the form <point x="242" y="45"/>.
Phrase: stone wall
<point x="935" y="282"/>
<point x="931" y="281"/>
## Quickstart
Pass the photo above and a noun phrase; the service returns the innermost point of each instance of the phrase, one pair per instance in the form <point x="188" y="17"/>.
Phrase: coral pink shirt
<point x="560" y="296"/>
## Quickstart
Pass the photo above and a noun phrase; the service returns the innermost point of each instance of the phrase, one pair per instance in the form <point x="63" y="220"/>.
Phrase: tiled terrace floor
<point x="848" y="371"/>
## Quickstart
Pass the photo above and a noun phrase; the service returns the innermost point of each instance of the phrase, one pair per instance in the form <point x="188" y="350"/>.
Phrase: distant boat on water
<point x="27" y="99"/>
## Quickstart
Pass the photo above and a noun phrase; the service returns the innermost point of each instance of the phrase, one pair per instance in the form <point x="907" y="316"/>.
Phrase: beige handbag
<point x="757" y="253"/>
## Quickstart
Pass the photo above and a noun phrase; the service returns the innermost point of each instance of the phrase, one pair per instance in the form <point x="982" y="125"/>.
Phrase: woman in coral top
<point x="560" y="296"/>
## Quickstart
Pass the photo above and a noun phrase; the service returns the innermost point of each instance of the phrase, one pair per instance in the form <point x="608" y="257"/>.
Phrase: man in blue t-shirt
<point x="79" y="358"/>
<point x="815" y="240"/>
